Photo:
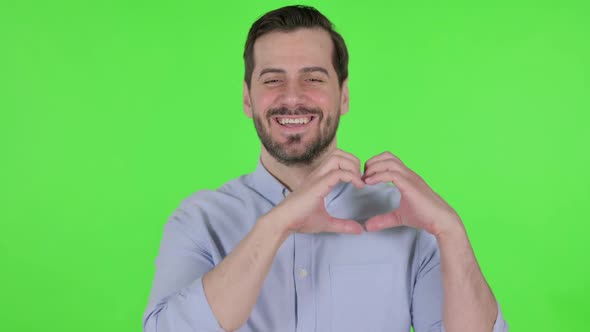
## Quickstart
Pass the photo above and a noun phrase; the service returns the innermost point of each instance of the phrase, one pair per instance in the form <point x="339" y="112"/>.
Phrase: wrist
<point x="453" y="233"/>
<point x="273" y="226"/>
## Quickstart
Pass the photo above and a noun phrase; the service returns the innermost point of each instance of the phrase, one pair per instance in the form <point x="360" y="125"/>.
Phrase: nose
<point x="292" y="96"/>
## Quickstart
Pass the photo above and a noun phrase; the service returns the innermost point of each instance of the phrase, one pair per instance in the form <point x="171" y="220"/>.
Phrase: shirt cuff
<point x="185" y="311"/>
<point x="500" y="325"/>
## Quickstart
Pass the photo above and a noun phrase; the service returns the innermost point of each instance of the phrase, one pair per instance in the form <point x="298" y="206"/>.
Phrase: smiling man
<point x="308" y="242"/>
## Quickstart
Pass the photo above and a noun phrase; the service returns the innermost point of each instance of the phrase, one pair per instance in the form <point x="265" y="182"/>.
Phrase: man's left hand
<point x="420" y="207"/>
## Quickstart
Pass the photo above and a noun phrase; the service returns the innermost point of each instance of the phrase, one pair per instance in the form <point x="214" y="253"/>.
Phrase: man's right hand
<point x="232" y="287"/>
<point x="304" y="209"/>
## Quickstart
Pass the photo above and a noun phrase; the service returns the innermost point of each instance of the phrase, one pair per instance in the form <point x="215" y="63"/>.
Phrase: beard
<point x="280" y="151"/>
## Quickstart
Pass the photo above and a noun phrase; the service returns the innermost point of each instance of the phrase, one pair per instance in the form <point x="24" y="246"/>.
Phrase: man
<point x="307" y="242"/>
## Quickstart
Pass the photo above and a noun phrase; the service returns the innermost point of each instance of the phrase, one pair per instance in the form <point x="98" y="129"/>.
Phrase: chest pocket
<point x="362" y="297"/>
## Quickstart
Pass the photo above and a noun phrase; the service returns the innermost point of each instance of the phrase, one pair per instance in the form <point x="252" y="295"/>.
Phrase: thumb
<point x="383" y="221"/>
<point x="348" y="226"/>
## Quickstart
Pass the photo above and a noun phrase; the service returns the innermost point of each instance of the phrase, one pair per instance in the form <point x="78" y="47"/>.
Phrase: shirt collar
<point x="273" y="190"/>
<point x="267" y="185"/>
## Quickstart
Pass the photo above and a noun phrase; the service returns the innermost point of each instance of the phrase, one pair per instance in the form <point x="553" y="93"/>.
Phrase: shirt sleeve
<point x="177" y="301"/>
<point x="427" y="295"/>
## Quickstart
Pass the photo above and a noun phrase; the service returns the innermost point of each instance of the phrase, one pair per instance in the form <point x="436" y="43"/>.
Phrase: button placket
<point x="302" y="272"/>
<point x="304" y="282"/>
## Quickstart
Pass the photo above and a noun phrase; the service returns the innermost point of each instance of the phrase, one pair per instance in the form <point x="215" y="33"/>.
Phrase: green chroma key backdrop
<point x="112" y="112"/>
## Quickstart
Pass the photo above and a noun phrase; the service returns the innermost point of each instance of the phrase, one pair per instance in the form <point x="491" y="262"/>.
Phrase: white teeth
<point x="294" y="121"/>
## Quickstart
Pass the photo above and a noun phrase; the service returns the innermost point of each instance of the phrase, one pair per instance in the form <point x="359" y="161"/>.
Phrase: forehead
<point x="294" y="49"/>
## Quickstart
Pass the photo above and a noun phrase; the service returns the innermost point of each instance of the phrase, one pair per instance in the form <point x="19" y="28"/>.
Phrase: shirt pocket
<point x="362" y="297"/>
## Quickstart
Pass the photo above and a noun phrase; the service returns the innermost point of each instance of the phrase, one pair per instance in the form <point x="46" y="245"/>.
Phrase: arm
<point x="208" y="302"/>
<point x="222" y="297"/>
<point x="427" y="298"/>
<point x="233" y="286"/>
<point x="468" y="303"/>
<point x="177" y="300"/>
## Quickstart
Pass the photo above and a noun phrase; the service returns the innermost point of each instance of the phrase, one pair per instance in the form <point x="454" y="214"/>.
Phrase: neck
<point x="292" y="176"/>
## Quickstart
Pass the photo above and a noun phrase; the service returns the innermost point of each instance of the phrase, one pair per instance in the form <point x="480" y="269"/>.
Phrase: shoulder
<point x="210" y="218"/>
<point x="233" y="195"/>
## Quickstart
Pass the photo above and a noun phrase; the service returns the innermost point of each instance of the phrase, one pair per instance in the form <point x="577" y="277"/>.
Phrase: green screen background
<point x="112" y="112"/>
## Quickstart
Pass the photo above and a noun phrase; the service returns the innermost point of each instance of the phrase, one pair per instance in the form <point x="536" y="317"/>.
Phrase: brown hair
<point x="291" y="18"/>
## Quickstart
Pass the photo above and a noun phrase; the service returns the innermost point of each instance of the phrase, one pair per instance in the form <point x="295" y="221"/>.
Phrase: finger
<point x="382" y="156"/>
<point x="385" y="165"/>
<point x="396" y="177"/>
<point x="343" y="175"/>
<point x="336" y="225"/>
<point x="350" y="156"/>
<point x="328" y="182"/>
<point x="383" y="221"/>
<point x="338" y="161"/>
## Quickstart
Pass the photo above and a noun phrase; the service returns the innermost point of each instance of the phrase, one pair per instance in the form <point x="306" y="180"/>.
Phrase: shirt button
<point x="302" y="273"/>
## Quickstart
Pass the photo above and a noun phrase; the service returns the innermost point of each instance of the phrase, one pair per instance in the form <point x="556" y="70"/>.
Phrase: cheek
<point x="320" y="99"/>
<point x="325" y="99"/>
<point x="263" y="101"/>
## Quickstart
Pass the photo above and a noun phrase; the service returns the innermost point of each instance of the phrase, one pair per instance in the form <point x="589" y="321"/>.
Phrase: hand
<point x="304" y="209"/>
<point x="420" y="207"/>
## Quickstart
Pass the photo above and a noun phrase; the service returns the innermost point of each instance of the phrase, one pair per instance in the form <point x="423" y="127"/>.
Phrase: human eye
<point x="315" y="80"/>
<point x="271" y="81"/>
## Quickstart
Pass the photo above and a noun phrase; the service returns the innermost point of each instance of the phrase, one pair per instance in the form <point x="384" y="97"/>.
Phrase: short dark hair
<point x="291" y="18"/>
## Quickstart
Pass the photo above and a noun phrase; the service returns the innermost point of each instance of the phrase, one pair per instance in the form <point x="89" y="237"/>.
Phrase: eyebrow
<point x="271" y="70"/>
<point x="312" y="69"/>
<point x="303" y="70"/>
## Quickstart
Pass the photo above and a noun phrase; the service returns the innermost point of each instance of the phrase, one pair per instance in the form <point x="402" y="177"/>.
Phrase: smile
<point x="285" y="121"/>
<point x="294" y="123"/>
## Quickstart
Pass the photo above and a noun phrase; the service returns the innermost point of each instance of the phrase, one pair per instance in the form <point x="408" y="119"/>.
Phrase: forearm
<point x="233" y="286"/>
<point x="468" y="302"/>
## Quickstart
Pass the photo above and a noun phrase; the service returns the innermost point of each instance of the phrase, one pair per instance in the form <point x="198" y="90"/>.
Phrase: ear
<point x="344" y="98"/>
<point x="247" y="101"/>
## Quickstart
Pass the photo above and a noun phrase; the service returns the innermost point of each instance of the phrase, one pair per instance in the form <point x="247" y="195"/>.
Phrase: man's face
<point x="294" y="96"/>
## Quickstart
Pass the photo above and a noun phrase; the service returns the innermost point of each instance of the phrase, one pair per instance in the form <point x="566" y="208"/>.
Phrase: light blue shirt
<point x="383" y="281"/>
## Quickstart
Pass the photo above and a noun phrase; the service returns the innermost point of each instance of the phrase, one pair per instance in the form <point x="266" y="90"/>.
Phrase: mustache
<point x="297" y="111"/>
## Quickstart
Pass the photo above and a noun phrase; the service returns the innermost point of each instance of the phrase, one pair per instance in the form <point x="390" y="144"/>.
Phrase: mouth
<point x="294" y="123"/>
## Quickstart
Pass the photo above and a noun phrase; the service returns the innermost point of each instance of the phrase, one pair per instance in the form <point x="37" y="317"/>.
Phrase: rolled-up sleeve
<point x="499" y="326"/>
<point x="177" y="300"/>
